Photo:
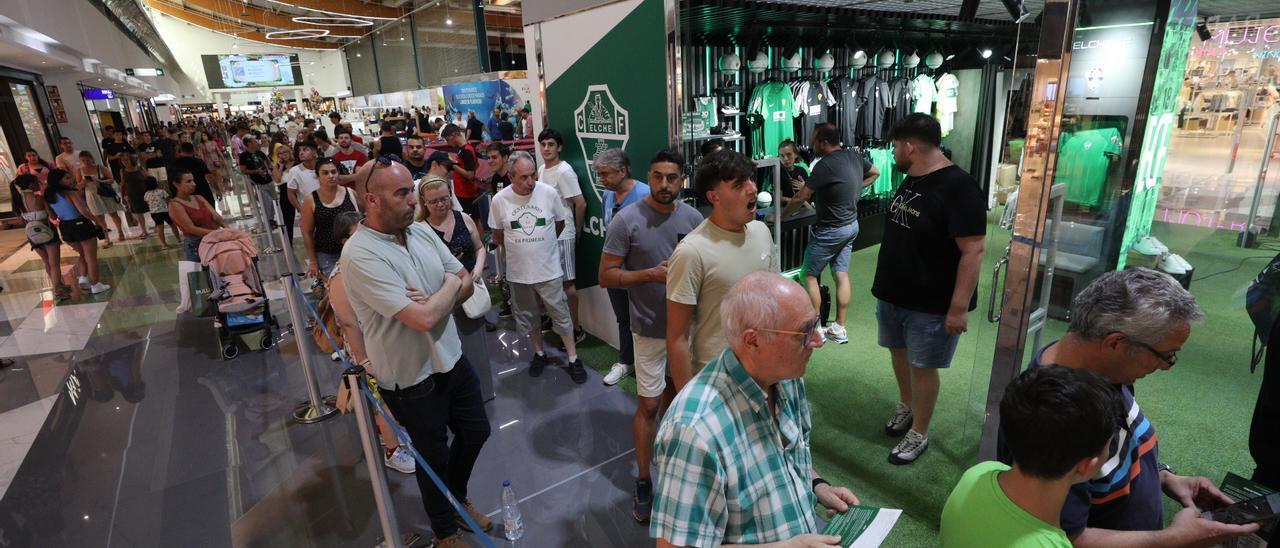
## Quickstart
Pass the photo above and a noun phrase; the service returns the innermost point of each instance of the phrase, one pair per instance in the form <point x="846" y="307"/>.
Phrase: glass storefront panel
<point x="29" y="112"/>
<point x="446" y="42"/>
<point x="364" y="76"/>
<point x="396" y="70"/>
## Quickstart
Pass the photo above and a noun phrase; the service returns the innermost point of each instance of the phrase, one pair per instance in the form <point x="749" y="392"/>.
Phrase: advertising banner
<point x="605" y="68"/>
<point x="482" y="97"/>
<point x="1161" y="119"/>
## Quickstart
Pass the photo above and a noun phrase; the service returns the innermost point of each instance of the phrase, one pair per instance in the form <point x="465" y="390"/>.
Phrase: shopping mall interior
<point x="154" y="393"/>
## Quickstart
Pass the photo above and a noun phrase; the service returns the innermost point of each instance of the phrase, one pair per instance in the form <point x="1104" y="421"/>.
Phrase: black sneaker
<point x="537" y="363"/>
<point x="642" y="501"/>
<point x="577" y="372"/>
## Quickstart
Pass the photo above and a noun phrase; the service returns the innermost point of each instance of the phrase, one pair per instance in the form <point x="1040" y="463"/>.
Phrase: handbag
<point x="39" y="233"/>
<point x="479" y="303"/>
<point x="200" y="288"/>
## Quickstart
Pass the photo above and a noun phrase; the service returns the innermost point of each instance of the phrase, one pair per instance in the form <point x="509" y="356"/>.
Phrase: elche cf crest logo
<point x="601" y="124"/>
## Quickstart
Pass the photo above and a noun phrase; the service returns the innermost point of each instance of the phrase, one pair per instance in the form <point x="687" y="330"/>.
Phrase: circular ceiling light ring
<point x="332" y="21"/>
<point x="299" y="34"/>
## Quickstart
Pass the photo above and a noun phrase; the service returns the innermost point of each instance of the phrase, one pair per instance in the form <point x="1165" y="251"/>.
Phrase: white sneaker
<point x="899" y="422"/>
<point x="99" y="288"/>
<point x="909" y="449"/>
<point x="836" y="332"/>
<point x="401" y="461"/>
<point x="616" y="373"/>
<point x="84" y="282"/>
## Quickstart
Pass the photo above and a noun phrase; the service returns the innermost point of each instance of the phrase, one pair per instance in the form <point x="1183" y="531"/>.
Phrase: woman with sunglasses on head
<point x="318" y="213"/>
<point x="76" y="225"/>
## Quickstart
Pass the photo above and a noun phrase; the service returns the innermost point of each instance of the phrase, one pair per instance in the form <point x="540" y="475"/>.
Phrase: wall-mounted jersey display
<point x="948" y="87"/>
<point x="922" y="92"/>
<point x="775" y="104"/>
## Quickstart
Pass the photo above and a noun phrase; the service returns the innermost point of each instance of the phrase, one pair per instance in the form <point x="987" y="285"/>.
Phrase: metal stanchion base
<point x="408" y="540"/>
<point x="304" y="414"/>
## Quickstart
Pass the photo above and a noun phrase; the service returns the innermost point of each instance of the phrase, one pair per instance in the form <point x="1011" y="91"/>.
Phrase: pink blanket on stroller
<point x="229" y="254"/>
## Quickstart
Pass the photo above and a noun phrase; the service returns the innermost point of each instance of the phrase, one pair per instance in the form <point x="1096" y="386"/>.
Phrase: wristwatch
<point x="1161" y="467"/>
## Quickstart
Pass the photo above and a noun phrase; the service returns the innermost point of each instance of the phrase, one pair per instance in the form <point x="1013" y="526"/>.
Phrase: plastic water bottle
<point x="512" y="524"/>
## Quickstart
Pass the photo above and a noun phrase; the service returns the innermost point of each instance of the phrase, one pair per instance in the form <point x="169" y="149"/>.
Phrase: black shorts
<point x="78" y="230"/>
<point x="161" y="218"/>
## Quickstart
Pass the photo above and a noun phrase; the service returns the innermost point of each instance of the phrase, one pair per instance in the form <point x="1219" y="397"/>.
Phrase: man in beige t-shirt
<point x="728" y="245"/>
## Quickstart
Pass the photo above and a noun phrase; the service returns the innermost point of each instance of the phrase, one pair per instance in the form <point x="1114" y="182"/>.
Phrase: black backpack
<point x="1262" y="302"/>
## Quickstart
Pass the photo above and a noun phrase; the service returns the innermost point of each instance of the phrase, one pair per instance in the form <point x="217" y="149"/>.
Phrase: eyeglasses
<point x="1170" y="358"/>
<point x="809" y="332"/>
<point x="439" y="201"/>
<point x="382" y="160"/>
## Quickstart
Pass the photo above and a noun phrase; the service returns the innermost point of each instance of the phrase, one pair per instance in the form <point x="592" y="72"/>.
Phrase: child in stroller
<point x="244" y="313"/>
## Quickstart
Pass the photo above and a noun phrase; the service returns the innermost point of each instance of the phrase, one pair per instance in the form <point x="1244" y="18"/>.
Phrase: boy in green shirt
<point x="1057" y="423"/>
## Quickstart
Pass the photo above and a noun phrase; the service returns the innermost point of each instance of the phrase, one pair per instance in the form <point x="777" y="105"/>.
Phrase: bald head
<point x="770" y="325"/>
<point x="387" y="193"/>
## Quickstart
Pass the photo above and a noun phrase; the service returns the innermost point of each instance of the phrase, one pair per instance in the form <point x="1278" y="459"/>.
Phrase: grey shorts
<point x="924" y="335"/>
<point x="568" y="259"/>
<point x="524" y="306"/>
<point x="829" y="246"/>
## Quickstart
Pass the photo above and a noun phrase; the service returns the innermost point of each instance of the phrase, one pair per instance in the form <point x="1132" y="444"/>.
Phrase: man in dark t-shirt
<point x="254" y="163"/>
<point x="837" y="178"/>
<point x="1124" y="326"/>
<point x="926" y="275"/>
<point x="115" y="150"/>
<point x="475" y="128"/>
<point x="187" y="161"/>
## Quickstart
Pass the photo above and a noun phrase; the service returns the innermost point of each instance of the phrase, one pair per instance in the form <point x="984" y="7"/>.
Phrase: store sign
<point x="481" y="98"/>
<point x="601" y="124"/>
<point x="144" y="71"/>
<point x="98" y="94"/>
<point x="596" y="102"/>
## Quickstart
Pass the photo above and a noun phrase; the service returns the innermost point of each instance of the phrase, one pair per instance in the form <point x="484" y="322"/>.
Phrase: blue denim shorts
<point x="924" y="335"/>
<point x="829" y="245"/>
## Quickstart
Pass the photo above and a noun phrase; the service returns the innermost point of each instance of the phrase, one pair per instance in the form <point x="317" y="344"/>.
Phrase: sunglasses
<point x="382" y="160"/>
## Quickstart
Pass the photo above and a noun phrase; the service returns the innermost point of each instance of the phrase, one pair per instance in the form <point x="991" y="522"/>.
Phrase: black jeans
<point x="287" y="210"/>
<point x="429" y="411"/>
<point x="622" y="309"/>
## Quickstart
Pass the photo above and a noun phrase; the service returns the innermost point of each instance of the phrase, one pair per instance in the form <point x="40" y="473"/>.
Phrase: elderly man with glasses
<point x="1124" y="326"/>
<point x="734" y="465"/>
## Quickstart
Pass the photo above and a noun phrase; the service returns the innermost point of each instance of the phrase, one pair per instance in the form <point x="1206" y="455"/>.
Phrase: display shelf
<point x="727" y="138"/>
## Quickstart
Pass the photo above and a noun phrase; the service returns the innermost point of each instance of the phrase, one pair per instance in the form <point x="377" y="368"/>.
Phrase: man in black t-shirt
<point x="114" y="151"/>
<point x="152" y="158"/>
<point x="927" y="274"/>
<point x="836" y="181"/>
<point x="475" y="128"/>
<point x="186" y="161"/>
<point x="415" y="158"/>
<point x="254" y="163"/>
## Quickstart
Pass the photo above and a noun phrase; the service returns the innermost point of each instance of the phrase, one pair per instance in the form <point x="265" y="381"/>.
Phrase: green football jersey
<point x="1083" y="161"/>
<point x="773" y="101"/>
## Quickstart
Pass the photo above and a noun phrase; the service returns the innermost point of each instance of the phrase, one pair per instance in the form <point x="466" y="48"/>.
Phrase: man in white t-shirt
<point x="560" y="175"/>
<point x="301" y="180"/>
<point x="526" y="217"/>
<point x="69" y="159"/>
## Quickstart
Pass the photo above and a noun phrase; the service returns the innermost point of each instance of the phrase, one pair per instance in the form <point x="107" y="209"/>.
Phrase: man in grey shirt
<point x="836" y="180"/>
<point x="638" y="242"/>
<point x="415" y="352"/>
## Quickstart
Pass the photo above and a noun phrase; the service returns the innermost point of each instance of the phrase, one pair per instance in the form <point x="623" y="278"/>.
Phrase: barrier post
<point x="354" y="380"/>
<point x="316" y="408"/>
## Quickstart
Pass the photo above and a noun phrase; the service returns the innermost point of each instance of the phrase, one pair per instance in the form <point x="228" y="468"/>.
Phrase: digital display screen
<point x="98" y="94"/>
<point x="252" y="70"/>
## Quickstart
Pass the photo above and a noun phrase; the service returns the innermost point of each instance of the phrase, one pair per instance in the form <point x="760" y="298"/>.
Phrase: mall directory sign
<point x="610" y="94"/>
<point x="1161" y="119"/>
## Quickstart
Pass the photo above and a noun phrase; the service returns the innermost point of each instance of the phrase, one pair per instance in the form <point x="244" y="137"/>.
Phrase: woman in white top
<point x="101" y="194"/>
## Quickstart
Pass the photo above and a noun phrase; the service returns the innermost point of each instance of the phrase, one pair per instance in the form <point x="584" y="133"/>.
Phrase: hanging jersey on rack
<point x="875" y="97"/>
<point x="922" y="92"/>
<point x="813" y="107"/>
<point x="775" y="105"/>
<point x="845" y="111"/>
<point x="899" y="104"/>
<point x="947" y="86"/>
<point x="1083" y="160"/>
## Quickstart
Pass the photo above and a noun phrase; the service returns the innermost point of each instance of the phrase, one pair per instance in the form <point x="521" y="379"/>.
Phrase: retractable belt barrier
<point x="388" y="519"/>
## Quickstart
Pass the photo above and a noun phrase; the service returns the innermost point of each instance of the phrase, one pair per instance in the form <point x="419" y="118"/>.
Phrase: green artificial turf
<point x="1201" y="409"/>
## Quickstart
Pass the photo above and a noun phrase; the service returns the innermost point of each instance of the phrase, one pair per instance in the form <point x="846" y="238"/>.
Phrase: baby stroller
<point x="244" y="313"/>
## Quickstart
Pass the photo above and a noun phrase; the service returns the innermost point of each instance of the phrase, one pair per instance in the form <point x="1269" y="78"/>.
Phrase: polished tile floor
<point x="122" y="426"/>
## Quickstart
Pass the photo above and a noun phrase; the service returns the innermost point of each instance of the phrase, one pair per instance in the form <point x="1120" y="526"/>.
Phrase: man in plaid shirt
<point x="733" y="450"/>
